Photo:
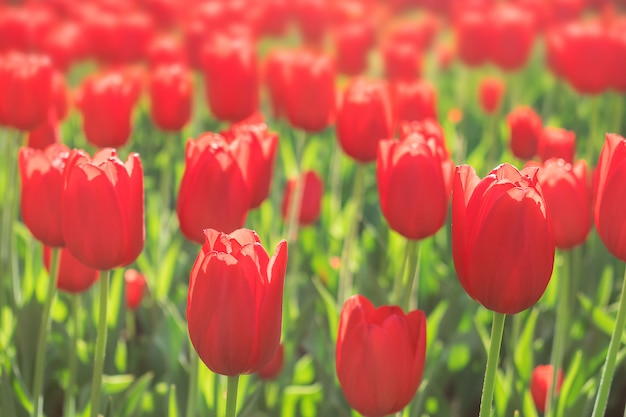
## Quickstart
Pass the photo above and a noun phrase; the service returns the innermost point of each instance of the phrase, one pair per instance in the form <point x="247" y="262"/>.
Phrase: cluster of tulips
<point x="88" y="211"/>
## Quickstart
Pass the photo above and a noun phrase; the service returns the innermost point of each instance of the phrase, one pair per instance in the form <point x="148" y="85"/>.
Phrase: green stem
<point x="298" y="191"/>
<point x="593" y="127"/>
<point x="409" y="276"/>
<point x="96" y="382"/>
<point x="40" y="359"/>
<point x="497" y="328"/>
<point x="70" y="395"/>
<point x="231" y="396"/>
<point x="560" y="334"/>
<point x="358" y="198"/>
<point x="609" y="365"/>
<point x="192" y="394"/>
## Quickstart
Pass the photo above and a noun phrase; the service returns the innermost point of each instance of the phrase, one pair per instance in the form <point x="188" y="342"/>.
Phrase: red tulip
<point x="254" y="148"/>
<point x="402" y="61"/>
<point x="609" y="189"/>
<point x="526" y="128"/>
<point x="24" y="28"/>
<point x="166" y="50"/>
<point x="512" y="36"/>
<point x="429" y="129"/>
<point x="170" y="88"/>
<point x="276" y="70"/>
<point x="73" y="276"/>
<point x="502" y="242"/>
<point x="65" y="44"/>
<point x="213" y="192"/>
<point x="490" y="93"/>
<point x="135" y="287"/>
<point x="106" y="102"/>
<point x="414" y="177"/>
<point x="472" y="33"/>
<point x="103" y="208"/>
<point x="46" y="134"/>
<point x="568" y="197"/>
<point x="415" y="100"/>
<point x="42" y="188"/>
<point x="313" y="18"/>
<point x="445" y="57"/>
<point x="353" y="41"/>
<point x="364" y="118"/>
<point x="232" y="77"/>
<point x="312" y="192"/>
<point x="541" y="384"/>
<point x="310" y="93"/>
<point x="380" y="356"/>
<point x="272" y="369"/>
<point x="23" y="78"/>
<point x="557" y="143"/>
<point x="234" y="305"/>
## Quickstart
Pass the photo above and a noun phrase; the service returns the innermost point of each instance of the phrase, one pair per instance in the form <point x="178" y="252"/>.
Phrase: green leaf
<point x="458" y="357"/>
<point x="433" y="323"/>
<point x="132" y="397"/>
<point x="523" y="356"/>
<point x="604" y="321"/>
<point x="115" y="384"/>
<point x="166" y="270"/>
<point x="304" y="371"/>
<point x="329" y="306"/>
<point x="172" y="404"/>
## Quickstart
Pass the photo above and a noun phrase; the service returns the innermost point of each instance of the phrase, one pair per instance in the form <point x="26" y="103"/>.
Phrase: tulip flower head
<point x="135" y="287"/>
<point x="526" y="128"/>
<point x="170" y="88"/>
<point x="312" y="192"/>
<point x="490" y="93"/>
<point x="502" y="241"/>
<point x="380" y="356"/>
<point x="541" y="383"/>
<point x="555" y="142"/>
<point x="272" y="369"/>
<point x="234" y="305"/>
<point x="73" y="276"/>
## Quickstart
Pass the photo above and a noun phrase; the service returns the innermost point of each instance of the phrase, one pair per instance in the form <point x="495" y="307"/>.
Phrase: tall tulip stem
<point x="497" y="328"/>
<point x="40" y="359"/>
<point x="560" y="334"/>
<point x="231" y="396"/>
<point x="96" y="382"/>
<point x="192" y="393"/>
<point x="409" y="276"/>
<point x="358" y="198"/>
<point x="609" y="365"/>
<point x="296" y="200"/>
<point x="69" y="408"/>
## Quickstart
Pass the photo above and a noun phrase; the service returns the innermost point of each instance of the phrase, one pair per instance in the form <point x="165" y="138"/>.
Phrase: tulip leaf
<point x="121" y="356"/>
<point x="172" y="404"/>
<point x="529" y="405"/>
<point x="132" y="397"/>
<point x="568" y="383"/>
<point x="166" y="270"/>
<point x="605" y="286"/>
<point x="115" y="384"/>
<point x="603" y="320"/>
<point x="433" y="323"/>
<point x="523" y="356"/>
<point x="330" y="307"/>
<point x="304" y="371"/>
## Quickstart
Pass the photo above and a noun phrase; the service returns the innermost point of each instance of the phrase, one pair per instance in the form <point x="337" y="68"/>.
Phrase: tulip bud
<point x="352" y="43"/>
<point x="513" y="33"/>
<point x="135" y="287"/>
<point x="73" y="276"/>
<point x="557" y="143"/>
<point x="312" y="192"/>
<point x="541" y="384"/>
<point x="526" y="127"/>
<point x="402" y="60"/>
<point x="415" y="100"/>
<point x="170" y="89"/>
<point x="272" y="369"/>
<point x="490" y="93"/>
<point x="472" y="34"/>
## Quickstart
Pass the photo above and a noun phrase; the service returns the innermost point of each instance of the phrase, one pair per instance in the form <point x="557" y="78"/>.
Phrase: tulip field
<point x="312" y="208"/>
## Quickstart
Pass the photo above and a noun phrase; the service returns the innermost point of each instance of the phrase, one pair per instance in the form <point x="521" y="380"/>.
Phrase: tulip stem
<point x="560" y="333"/>
<point x="298" y="191"/>
<point x="192" y="394"/>
<point x="96" y="382"/>
<point x="70" y="396"/>
<point x="609" y="365"/>
<point x="593" y="127"/>
<point x="409" y="276"/>
<point x="231" y="396"/>
<point x="358" y="198"/>
<point x="40" y="359"/>
<point x="497" y="328"/>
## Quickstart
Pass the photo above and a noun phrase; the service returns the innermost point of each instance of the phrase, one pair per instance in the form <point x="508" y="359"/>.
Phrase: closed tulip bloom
<point x="541" y="384"/>
<point x="557" y="143"/>
<point x="73" y="276"/>
<point x="472" y="34"/>
<point x="609" y="191"/>
<point x="380" y="356"/>
<point x="213" y="193"/>
<point x="166" y="50"/>
<point x="310" y="93"/>
<point x="103" y="208"/>
<point x="106" y="102"/>
<point x="513" y="35"/>
<point x="22" y="79"/>
<point x="526" y="128"/>
<point x="235" y="299"/>
<point x="46" y="134"/>
<point x="254" y="148"/>
<point x="414" y="100"/>
<point x="414" y="177"/>
<point x="490" y="92"/>
<point x="312" y="192"/>
<point x="135" y="288"/>
<point x="353" y="41"/>
<point x="276" y="70"/>
<point x="313" y="18"/>
<point x="402" y="61"/>
<point x="272" y="369"/>
<point x="170" y="88"/>
<point x="232" y="77"/>
<point x="42" y="187"/>
<point x="502" y="241"/>
<point x="364" y="118"/>
<point x="429" y="129"/>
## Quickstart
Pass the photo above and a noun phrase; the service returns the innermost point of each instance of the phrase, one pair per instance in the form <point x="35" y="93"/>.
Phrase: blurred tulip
<point x="24" y="28"/>
<point x="213" y="193"/>
<point x="313" y="18"/>
<point x="73" y="276"/>
<point x="512" y="36"/>
<point x="567" y="194"/>
<point x="234" y="305"/>
<point x="609" y="191"/>
<point x="232" y="77"/>
<point x="42" y="187"/>
<point x="135" y="288"/>
<point x="364" y="118"/>
<point x="445" y="57"/>
<point x="170" y="88"/>
<point x="414" y="178"/>
<point x="276" y="71"/>
<point x="414" y="101"/>
<point x="65" y="45"/>
<point x="353" y="41"/>
<point x="312" y="192"/>
<point x="472" y="34"/>
<point x="402" y="61"/>
<point x="106" y="102"/>
<point x="60" y="96"/>
<point x="46" y="134"/>
<point x="490" y="92"/>
<point x="103" y="208"/>
<point x="429" y="129"/>
<point x="166" y="50"/>
<point x="525" y="128"/>
<point x="541" y="383"/>
<point x="380" y="356"/>
<point x="502" y="241"/>
<point x="22" y="78"/>
<point x="272" y="369"/>
<point x="557" y="143"/>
